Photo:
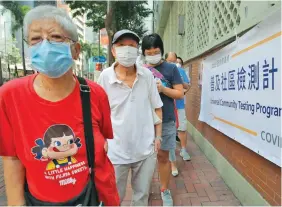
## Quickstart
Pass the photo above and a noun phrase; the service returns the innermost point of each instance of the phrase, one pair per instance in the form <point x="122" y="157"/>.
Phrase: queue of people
<point x="69" y="141"/>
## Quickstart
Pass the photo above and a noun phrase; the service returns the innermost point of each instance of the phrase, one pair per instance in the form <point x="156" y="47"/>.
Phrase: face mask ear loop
<point x="72" y="43"/>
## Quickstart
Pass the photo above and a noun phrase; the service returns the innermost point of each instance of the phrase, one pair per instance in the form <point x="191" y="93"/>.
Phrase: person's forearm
<point x="14" y="176"/>
<point x="158" y="127"/>
<point x="186" y="90"/>
<point x="158" y="130"/>
<point x="173" y="93"/>
<point x="159" y="113"/>
<point x="186" y="85"/>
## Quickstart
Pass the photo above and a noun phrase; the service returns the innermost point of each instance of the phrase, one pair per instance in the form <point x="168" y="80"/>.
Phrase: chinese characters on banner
<point x="246" y="79"/>
<point x="241" y="90"/>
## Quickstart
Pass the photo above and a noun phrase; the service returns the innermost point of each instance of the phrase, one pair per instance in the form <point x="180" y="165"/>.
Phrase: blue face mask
<point x="51" y="59"/>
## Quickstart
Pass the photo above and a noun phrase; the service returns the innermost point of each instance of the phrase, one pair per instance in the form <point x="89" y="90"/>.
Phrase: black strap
<point x="87" y="121"/>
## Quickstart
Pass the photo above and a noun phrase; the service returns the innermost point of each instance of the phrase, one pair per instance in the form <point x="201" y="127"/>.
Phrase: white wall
<point x="5" y="30"/>
<point x="149" y="20"/>
<point x="90" y="36"/>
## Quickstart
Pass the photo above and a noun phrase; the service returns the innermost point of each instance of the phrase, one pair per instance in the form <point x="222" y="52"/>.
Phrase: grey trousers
<point x="141" y="178"/>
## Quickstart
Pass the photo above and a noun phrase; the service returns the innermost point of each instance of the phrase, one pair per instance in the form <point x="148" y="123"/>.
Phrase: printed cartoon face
<point x="60" y="147"/>
<point x="59" y="143"/>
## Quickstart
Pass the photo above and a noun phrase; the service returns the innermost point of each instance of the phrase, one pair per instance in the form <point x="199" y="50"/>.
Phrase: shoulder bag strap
<point x="87" y="121"/>
<point x="156" y="119"/>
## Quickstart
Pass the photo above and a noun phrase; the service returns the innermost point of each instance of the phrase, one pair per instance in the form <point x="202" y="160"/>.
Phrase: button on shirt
<point x="131" y="115"/>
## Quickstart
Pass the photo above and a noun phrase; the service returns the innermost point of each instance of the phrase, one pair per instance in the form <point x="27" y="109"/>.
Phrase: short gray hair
<point x="52" y="13"/>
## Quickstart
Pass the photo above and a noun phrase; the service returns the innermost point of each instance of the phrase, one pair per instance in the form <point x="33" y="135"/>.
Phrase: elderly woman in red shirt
<point x="47" y="120"/>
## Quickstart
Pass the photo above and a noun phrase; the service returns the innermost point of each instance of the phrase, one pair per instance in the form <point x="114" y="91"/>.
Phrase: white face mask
<point x="126" y="55"/>
<point x="178" y="65"/>
<point x="153" y="59"/>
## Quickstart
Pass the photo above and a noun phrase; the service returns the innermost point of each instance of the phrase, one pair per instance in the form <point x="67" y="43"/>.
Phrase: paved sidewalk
<point x="198" y="183"/>
<point x="2" y="187"/>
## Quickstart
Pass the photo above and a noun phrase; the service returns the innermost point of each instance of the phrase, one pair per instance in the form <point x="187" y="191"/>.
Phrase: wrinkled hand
<point x="106" y="146"/>
<point x="160" y="86"/>
<point x="157" y="145"/>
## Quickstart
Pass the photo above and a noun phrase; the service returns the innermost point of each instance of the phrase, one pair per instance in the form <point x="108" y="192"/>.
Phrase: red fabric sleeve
<point x="106" y="123"/>
<point x="7" y="147"/>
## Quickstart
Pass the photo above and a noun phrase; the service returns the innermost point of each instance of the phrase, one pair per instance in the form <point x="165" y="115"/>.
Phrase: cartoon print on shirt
<point x="59" y="144"/>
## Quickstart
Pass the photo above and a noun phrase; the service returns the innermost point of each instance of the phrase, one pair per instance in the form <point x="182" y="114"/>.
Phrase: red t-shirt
<point x="48" y="138"/>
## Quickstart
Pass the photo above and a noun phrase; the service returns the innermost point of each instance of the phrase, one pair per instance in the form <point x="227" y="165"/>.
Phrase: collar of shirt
<point x="113" y="77"/>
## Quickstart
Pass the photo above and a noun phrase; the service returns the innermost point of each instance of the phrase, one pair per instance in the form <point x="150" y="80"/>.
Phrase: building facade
<point x="206" y="25"/>
<point x="6" y="22"/>
<point x="195" y="30"/>
<point x="149" y="21"/>
<point x="91" y="37"/>
<point x="18" y="34"/>
<point x="38" y="3"/>
<point x="80" y="24"/>
<point x="33" y="3"/>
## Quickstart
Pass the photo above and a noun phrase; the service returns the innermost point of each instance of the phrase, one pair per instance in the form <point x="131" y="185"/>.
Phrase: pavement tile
<point x="157" y="202"/>
<point x="200" y="188"/>
<point x="220" y="188"/>
<point x="217" y="184"/>
<point x="199" y="200"/>
<point x="180" y="184"/>
<point x="204" y="180"/>
<point x="190" y="187"/>
<point x="186" y="202"/>
<point x="211" y="194"/>
<point x="155" y="196"/>
<point x="223" y="192"/>
<point x="230" y="197"/>
<point x="177" y="201"/>
<point x="186" y="195"/>
<point x="221" y="203"/>
<point x="180" y="191"/>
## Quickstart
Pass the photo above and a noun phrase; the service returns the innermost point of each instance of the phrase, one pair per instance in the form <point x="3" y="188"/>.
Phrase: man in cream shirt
<point x="132" y="94"/>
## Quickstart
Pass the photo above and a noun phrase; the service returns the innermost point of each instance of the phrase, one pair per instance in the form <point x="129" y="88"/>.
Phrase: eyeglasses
<point x="51" y="38"/>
